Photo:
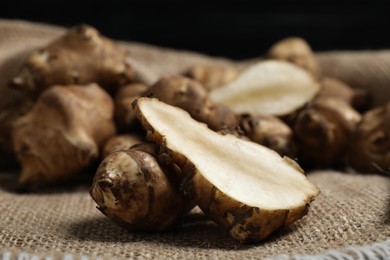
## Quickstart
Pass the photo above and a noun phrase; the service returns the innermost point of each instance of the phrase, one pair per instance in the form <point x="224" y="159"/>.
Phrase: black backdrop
<point x="235" y="29"/>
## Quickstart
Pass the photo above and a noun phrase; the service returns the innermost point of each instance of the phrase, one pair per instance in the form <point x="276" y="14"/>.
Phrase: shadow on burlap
<point x="353" y="209"/>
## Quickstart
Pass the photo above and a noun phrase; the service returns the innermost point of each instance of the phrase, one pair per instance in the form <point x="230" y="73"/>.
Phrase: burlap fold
<point x="352" y="210"/>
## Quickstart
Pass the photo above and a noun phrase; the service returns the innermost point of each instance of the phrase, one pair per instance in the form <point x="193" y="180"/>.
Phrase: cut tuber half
<point x="244" y="187"/>
<point x="268" y="88"/>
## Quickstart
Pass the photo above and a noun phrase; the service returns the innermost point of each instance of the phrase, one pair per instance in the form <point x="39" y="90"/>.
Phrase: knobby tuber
<point x="124" y="115"/>
<point x="212" y="76"/>
<point x="60" y="137"/>
<point x="271" y="132"/>
<point x="189" y="95"/>
<point x="120" y="143"/>
<point x="322" y="130"/>
<point x="134" y="190"/>
<point x="369" y="149"/>
<point x="336" y="89"/>
<point x="13" y="105"/>
<point x="244" y="187"/>
<point x="297" y="51"/>
<point x="81" y="56"/>
<point x="267" y="88"/>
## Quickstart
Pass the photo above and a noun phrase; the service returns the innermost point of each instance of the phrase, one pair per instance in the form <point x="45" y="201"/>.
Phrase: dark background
<point x="235" y="29"/>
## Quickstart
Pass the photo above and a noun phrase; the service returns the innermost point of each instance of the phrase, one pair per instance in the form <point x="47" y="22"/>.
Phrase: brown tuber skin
<point x="242" y="221"/>
<point x="333" y="88"/>
<point x="322" y="130"/>
<point x="124" y="115"/>
<point x="237" y="132"/>
<point x="13" y="105"/>
<point x="135" y="191"/>
<point x="297" y="51"/>
<point x="369" y="149"/>
<point x="212" y="76"/>
<point x="120" y="143"/>
<point x="81" y="56"/>
<point x="191" y="96"/>
<point x="270" y="132"/>
<point x="62" y="134"/>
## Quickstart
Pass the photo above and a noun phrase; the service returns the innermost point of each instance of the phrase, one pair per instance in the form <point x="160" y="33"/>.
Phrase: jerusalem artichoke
<point x="369" y="149"/>
<point x="191" y="96"/>
<point x="297" y="51"/>
<point x="81" y="56"/>
<point x="12" y="106"/>
<point x="270" y="132"/>
<point x="120" y="143"/>
<point x="124" y="115"/>
<point x="212" y="76"/>
<point x="322" y="130"/>
<point x="333" y="88"/>
<point x="246" y="188"/>
<point x="62" y="134"/>
<point x="134" y="190"/>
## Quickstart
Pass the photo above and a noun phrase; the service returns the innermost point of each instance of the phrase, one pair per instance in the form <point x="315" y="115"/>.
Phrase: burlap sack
<point x="350" y="219"/>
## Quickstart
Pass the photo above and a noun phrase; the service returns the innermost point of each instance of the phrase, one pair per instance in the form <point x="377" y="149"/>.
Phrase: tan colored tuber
<point x="124" y="115"/>
<point x="13" y="105"/>
<point x="369" y="149"/>
<point x="323" y="129"/>
<point x="81" y="56"/>
<point x="60" y="137"/>
<point x="212" y="76"/>
<point x="246" y="188"/>
<point x="271" y="132"/>
<point x="333" y="88"/>
<point x="189" y="95"/>
<point x="120" y="143"/>
<point x="134" y="190"/>
<point x="297" y="51"/>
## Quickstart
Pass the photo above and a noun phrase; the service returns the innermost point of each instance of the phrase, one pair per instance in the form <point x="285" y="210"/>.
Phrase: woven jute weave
<point x="349" y="220"/>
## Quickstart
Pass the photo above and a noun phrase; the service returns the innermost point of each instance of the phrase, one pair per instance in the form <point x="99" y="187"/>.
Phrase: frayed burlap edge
<point x="374" y="251"/>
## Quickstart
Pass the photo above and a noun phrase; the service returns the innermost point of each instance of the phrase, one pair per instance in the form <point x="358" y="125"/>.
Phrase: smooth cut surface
<point x="268" y="88"/>
<point x="243" y="170"/>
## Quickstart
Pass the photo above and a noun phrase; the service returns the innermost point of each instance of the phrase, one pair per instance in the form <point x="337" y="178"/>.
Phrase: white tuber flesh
<point x="268" y="88"/>
<point x="248" y="175"/>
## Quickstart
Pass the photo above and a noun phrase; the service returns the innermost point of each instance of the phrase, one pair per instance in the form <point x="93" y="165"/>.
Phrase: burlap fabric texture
<point x="350" y="219"/>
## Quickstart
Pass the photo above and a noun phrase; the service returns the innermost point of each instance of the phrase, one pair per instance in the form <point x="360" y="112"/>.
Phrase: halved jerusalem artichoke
<point x="268" y="88"/>
<point x="135" y="191"/>
<point x="246" y="188"/>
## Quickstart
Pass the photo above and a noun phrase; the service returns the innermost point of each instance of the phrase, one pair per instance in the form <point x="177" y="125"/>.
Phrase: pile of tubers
<point x="214" y="137"/>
